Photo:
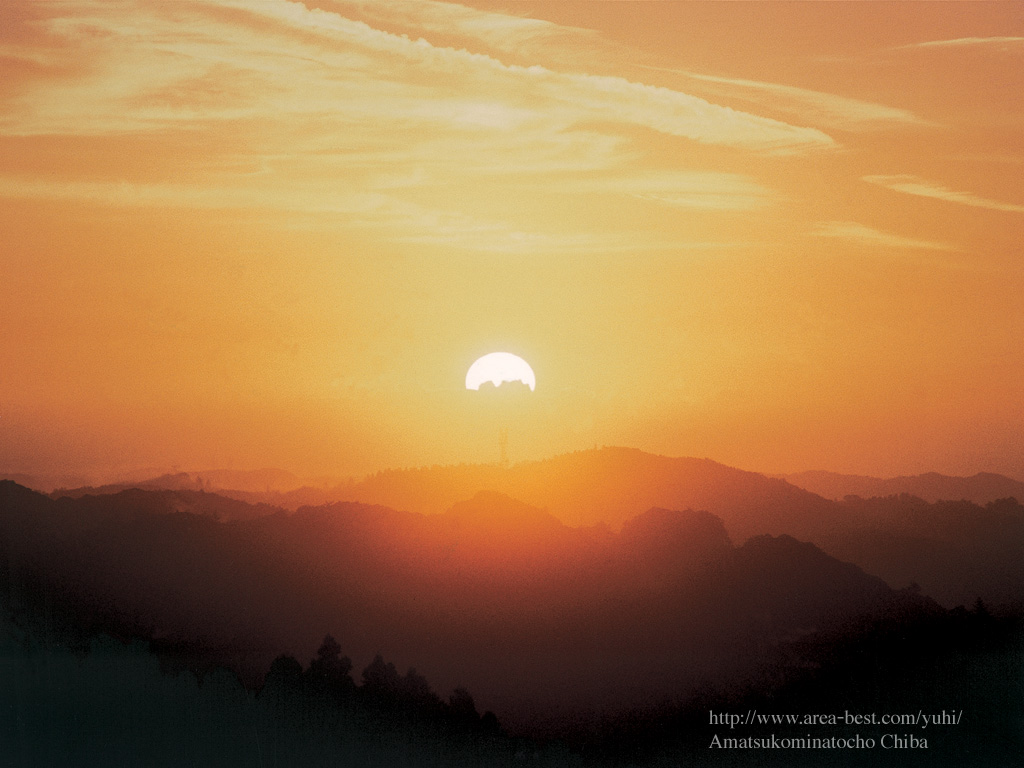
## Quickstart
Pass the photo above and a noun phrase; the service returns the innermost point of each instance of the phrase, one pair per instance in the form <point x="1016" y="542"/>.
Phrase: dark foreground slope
<point x="109" y="702"/>
<point x="620" y="643"/>
<point x="113" y="702"/>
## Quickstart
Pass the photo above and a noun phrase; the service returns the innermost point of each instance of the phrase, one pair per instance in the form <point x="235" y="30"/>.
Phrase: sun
<point x="498" y="367"/>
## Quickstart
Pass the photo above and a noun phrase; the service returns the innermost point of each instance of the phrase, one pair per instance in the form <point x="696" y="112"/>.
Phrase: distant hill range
<point x="980" y="488"/>
<point x="606" y="485"/>
<point x="596" y="487"/>
<point x="247" y="481"/>
<point x="955" y="551"/>
<point x="46" y="483"/>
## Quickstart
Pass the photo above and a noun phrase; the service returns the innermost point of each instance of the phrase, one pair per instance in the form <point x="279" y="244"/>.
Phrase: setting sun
<point x="499" y="367"/>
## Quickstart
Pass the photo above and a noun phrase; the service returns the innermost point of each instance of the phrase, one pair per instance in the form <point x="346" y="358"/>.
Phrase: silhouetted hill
<point x="179" y="481"/>
<point x="668" y="543"/>
<point x="951" y="552"/>
<point x="44" y="483"/>
<point x="244" y="481"/>
<point x="602" y="486"/>
<point x="980" y="488"/>
<point x="545" y="623"/>
<point x="135" y="501"/>
<point x="955" y="551"/>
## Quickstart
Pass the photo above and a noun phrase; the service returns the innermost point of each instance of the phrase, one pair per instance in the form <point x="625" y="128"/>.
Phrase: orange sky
<point x="244" y="234"/>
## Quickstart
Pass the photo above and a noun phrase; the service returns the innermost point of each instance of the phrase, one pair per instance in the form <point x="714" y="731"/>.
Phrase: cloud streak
<point x="500" y="31"/>
<point x="815" y="107"/>
<point x="407" y="222"/>
<point x="577" y="97"/>
<point x="155" y="67"/>
<point x="276" y="106"/>
<point x="398" y="220"/>
<point x="912" y="185"/>
<point x="874" y="238"/>
<point x="1004" y="43"/>
<point x="705" y="191"/>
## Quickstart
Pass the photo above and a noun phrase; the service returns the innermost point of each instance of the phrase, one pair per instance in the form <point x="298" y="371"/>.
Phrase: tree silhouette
<point x="380" y="678"/>
<point x="284" y="680"/>
<point x="463" y="708"/>
<point x="329" y="671"/>
<point x="285" y="668"/>
<point x="981" y="610"/>
<point x="414" y="689"/>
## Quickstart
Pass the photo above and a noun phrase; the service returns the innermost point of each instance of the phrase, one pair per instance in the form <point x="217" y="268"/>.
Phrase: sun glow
<point x="498" y="367"/>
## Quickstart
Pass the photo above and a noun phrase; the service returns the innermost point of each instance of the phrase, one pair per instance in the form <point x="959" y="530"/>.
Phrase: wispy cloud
<point x="393" y="218"/>
<point x="498" y="31"/>
<point x="912" y="185"/>
<point x="812" y="106"/>
<point x="26" y="54"/>
<point x="342" y="117"/>
<point x="576" y="97"/>
<point x="868" y="236"/>
<point x="404" y="221"/>
<point x="1002" y="43"/>
<point x="155" y="66"/>
<point x="707" y="190"/>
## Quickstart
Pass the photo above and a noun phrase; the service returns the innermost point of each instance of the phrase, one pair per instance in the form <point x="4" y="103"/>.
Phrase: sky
<point x="261" y="233"/>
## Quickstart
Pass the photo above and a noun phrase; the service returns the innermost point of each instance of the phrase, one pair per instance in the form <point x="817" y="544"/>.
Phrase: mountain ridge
<point x="980" y="488"/>
<point x="407" y="487"/>
<point x="956" y="551"/>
